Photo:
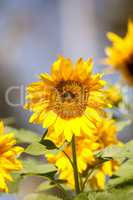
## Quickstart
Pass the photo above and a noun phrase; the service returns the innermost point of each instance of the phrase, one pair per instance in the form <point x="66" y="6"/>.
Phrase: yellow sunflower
<point x="8" y="160"/>
<point x="105" y="134"/>
<point x="69" y="99"/>
<point x="98" y="180"/>
<point x="120" y="54"/>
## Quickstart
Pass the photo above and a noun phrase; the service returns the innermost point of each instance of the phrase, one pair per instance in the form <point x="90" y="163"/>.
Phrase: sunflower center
<point x="69" y="99"/>
<point x="68" y="96"/>
<point x="129" y="64"/>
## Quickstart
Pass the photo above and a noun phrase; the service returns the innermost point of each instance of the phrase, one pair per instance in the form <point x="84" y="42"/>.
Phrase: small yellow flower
<point x="8" y="160"/>
<point x="114" y="95"/>
<point x="70" y="99"/>
<point x="120" y="54"/>
<point x="99" y="178"/>
<point x="105" y="134"/>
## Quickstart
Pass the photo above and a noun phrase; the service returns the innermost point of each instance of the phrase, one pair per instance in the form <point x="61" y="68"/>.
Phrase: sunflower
<point x="120" y="54"/>
<point x="70" y="99"/>
<point x="97" y="181"/>
<point x="105" y="134"/>
<point x="8" y="161"/>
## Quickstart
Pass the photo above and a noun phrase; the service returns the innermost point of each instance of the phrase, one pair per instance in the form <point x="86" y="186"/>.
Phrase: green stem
<point x="89" y="174"/>
<point x="68" y="158"/>
<point x="81" y="182"/>
<point x="75" y="167"/>
<point x="66" y="196"/>
<point x="60" y="187"/>
<point x="43" y="136"/>
<point x="86" y="180"/>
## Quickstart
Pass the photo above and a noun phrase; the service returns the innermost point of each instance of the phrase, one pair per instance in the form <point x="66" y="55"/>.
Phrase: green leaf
<point x="118" y="182"/>
<point x="48" y="144"/>
<point x="116" y="152"/>
<point x="53" y="152"/>
<point x="14" y="185"/>
<point x="36" y="196"/>
<point x="126" y="170"/>
<point x="123" y="176"/>
<point x="24" y="136"/>
<point x="82" y="196"/>
<point x="118" y="194"/>
<point x="129" y="149"/>
<point x="57" y="150"/>
<point x="33" y="167"/>
<point x="121" y="152"/>
<point x="45" y="186"/>
<point x="35" y="149"/>
<point x="112" y="151"/>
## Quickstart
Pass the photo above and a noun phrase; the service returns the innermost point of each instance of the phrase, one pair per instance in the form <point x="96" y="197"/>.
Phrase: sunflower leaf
<point x="23" y="135"/>
<point x="48" y="144"/>
<point x="126" y="170"/>
<point x="117" y="152"/>
<point x="34" y="167"/>
<point x="114" y="194"/>
<point x="82" y="196"/>
<point x="110" y="152"/>
<point x="35" y="149"/>
<point x="14" y="185"/>
<point x="129" y="149"/>
<point x="46" y="185"/>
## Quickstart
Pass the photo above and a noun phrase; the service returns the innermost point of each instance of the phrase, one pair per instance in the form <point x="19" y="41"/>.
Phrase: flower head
<point x="97" y="181"/>
<point x="120" y="54"/>
<point x="8" y="160"/>
<point x="70" y="99"/>
<point x="106" y="133"/>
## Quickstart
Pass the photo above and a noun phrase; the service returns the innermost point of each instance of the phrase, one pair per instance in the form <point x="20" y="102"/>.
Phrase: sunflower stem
<point x="75" y="167"/>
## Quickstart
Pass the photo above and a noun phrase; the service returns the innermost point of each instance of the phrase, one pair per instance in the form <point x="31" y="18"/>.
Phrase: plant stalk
<point x="75" y="167"/>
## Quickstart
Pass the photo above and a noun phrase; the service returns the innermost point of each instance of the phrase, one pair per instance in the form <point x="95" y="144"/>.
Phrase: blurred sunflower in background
<point x="70" y="99"/>
<point x="8" y="158"/>
<point x="120" y="54"/>
<point x="98" y="179"/>
<point x="114" y="95"/>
